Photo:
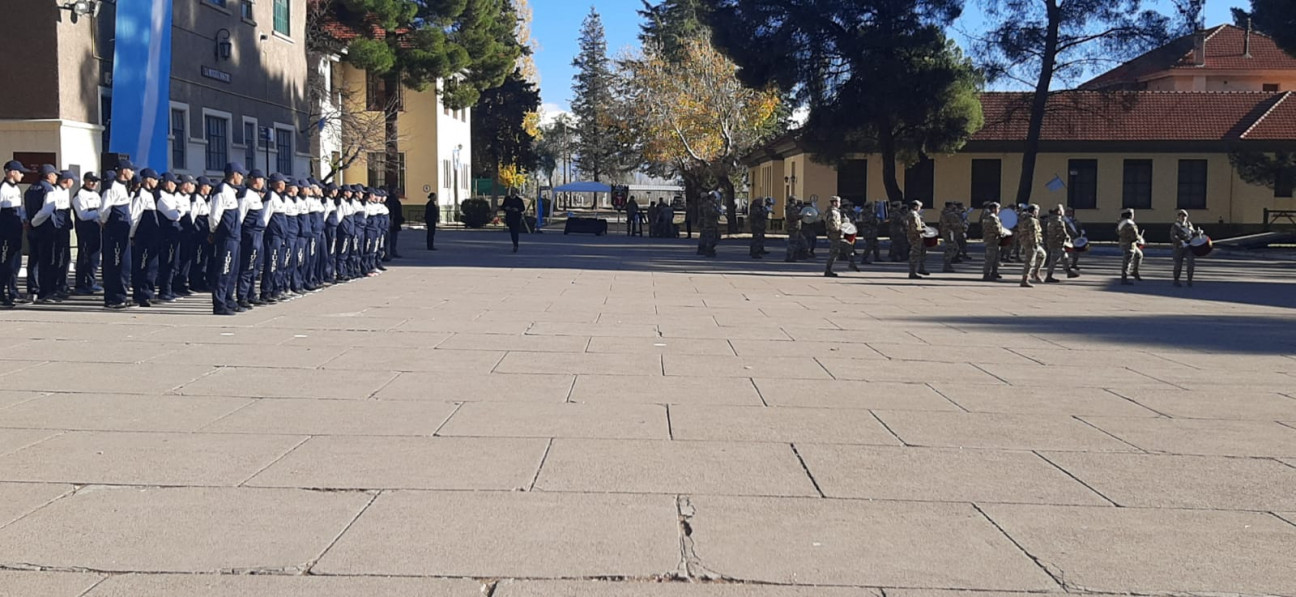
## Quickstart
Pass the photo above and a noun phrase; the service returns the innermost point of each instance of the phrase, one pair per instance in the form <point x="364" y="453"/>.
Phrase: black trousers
<point x="431" y="235"/>
<point x="515" y="227"/>
<point x="117" y="261"/>
<point x="34" y="259"/>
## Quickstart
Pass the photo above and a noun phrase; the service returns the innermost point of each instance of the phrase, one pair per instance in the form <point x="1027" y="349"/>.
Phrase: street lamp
<point x="80" y="8"/>
<point x="224" y="48"/>
<point x="455" y="177"/>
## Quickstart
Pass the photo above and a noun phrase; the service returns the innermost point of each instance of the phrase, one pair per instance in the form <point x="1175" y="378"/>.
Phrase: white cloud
<point x="549" y="112"/>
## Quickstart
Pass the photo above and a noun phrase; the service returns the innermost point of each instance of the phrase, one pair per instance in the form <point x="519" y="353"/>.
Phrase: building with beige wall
<point x="237" y="67"/>
<point x="1111" y="149"/>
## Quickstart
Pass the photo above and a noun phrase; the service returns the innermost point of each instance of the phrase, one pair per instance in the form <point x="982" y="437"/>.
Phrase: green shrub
<point x="475" y="213"/>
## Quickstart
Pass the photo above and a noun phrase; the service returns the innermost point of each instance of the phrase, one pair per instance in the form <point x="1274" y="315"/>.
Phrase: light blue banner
<point x="141" y="87"/>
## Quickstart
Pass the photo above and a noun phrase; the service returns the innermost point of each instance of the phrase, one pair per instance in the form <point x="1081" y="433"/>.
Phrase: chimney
<point x="1246" y="45"/>
<point x="1199" y="48"/>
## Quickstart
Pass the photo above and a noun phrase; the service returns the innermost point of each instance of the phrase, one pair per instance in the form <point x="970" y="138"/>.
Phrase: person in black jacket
<point x="432" y="215"/>
<point x="513" y="208"/>
<point x="396" y="218"/>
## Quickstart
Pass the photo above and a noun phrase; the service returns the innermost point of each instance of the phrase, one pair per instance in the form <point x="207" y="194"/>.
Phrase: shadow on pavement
<point x="1242" y="334"/>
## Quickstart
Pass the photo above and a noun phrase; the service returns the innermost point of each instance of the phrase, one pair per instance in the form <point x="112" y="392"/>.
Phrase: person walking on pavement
<point x="759" y="214"/>
<point x="837" y="244"/>
<point x="992" y="232"/>
<point x="1131" y="244"/>
<point x="1181" y="234"/>
<point x="432" y="216"/>
<point x="1030" y="238"/>
<point x="513" y="208"/>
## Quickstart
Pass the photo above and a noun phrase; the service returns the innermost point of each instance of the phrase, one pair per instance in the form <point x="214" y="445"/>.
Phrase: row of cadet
<point x="248" y="239"/>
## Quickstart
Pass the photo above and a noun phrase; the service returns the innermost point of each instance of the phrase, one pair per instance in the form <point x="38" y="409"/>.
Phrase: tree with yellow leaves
<point x="692" y="115"/>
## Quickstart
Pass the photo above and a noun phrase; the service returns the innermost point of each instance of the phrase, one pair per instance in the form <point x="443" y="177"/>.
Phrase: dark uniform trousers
<point x="251" y="237"/>
<point x="89" y="252"/>
<point x="117" y="258"/>
<point x="144" y="258"/>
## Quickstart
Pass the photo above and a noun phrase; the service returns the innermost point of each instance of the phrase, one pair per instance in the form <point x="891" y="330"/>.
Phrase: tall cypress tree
<point x="593" y="102"/>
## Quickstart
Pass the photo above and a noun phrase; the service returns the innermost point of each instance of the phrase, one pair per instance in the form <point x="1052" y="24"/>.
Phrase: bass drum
<point x="1079" y="245"/>
<point x="1008" y="218"/>
<point x="849" y="232"/>
<point x="1201" y="245"/>
<point x="1006" y="241"/>
<point x="931" y="237"/>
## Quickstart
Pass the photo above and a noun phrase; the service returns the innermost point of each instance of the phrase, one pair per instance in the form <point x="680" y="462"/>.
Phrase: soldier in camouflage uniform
<point x="913" y="232"/>
<point x="951" y="226"/>
<point x="992" y="231"/>
<point x="710" y="224"/>
<point x="1182" y="233"/>
<point x="1130" y="239"/>
<point x="759" y="214"/>
<point x="1076" y="229"/>
<point x="1031" y="239"/>
<point x="867" y="226"/>
<point x="838" y="246"/>
<point x="792" y="221"/>
<point x="899" y="250"/>
<point x="963" y="232"/>
<point x="1056" y="238"/>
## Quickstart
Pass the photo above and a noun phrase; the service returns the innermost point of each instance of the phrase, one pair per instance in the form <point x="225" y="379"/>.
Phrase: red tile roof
<point x="1225" y="51"/>
<point x="1143" y="116"/>
<point x="1278" y="123"/>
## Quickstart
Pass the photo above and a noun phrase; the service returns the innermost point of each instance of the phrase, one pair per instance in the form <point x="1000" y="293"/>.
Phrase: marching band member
<point x="1182" y="233"/>
<point x="1131" y="241"/>
<point x="992" y="231"/>
<point x="1030" y="238"/>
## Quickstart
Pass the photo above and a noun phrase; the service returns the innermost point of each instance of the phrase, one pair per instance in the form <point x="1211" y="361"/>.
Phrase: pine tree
<point x="593" y="103"/>
<point x="1275" y="18"/>
<point x="670" y="24"/>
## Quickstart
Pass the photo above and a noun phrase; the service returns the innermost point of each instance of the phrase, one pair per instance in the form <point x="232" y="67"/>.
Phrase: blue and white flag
<point x="142" y="82"/>
<point x="1056" y="184"/>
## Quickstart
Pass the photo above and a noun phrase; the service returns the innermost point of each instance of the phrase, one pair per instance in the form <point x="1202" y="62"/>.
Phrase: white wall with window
<point x="454" y="137"/>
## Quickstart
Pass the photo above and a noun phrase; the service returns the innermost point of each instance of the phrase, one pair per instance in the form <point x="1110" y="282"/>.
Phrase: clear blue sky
<point x="556" y="27"/>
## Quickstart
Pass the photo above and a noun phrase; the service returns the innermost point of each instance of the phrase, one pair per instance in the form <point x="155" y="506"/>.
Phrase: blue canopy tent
<point x="585" y="187"/>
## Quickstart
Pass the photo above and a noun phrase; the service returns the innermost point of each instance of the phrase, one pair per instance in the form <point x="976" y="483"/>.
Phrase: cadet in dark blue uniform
<point x="168" y="219"/>
<point x="115" y="216"/>
<point x="49" y="222"/>
<point x="328" y="251"/>
<point x="226" y="223"/>
<point x="146" y="239"/>
<point x="252" y="236"/>
<point x="276" y="228"/>
<point x="85" y="210"/>
<point x="64" y="234"/>
<point x="11" y="229"/>
<point x="200" y="208"/>
<point x="33" y="201"/>
<point x="345" y="237"/>
<point x="186" y="246"/>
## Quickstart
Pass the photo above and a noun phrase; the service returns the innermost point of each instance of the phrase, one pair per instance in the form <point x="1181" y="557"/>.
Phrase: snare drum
<point x="931" y="237"/>
<point x="1080" y="245"/>
<point x="1006" y="241"/>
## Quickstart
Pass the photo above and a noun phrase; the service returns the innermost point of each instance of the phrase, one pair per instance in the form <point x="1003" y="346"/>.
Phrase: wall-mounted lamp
<point x="224" y="47"/>
<point x="79" y="8"/>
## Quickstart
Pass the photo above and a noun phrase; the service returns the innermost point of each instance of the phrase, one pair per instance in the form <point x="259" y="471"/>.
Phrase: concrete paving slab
<point x="353" y="339"/>
<point x="1071" y="377"/>
<point x="851" y="394"/>
<point x="296" y="320"/>
<point x="408" y="463"/>
<point x="804" y="348"/>
<point x="938" y="474"/>
<point x="46" y="584"/>
<point x="520" y="343"/>
<point x="12" y="440"/>
<point x="1203" y="437"/>
<point x="673" y="467"/>
<point x="1164" y="481"/>
<point x="535" y="419"/>
<point x="1221" y="378"/>
<point x="1234" y="362"/>
<point x="885" y="334"/>
<point x="579" y="363"/>
<point x="950" y="354"/>
<point x="121" y="458"/>
<point x="203" y="585"/>
<point x="335" y="417"/>
<point x="677" y="331"/>
<point x="429" y="361"/>
<point x="1156" y="551"/>
<point x="107" y="330"/>
<point x="846" y="542"/>
<point x="254" y="336"/>
<point x="1041" y="400"/>
<point x="650" y="346"/>
<point x="9" y="398"/>
<point x="110" y="378"/>
<point x="281" y="356"/>
<point x="1001" y="431"/>
<point x="766" y="366"/>
<point x="1222" y="404"/>
<point x="510" y="535"/>
<point x="20" y="499"/>
<point x="560" y="588"/>
<point x="86" y="351"/>
<point x="955" y="593"/>
<point x="588" y="330"/>
<point x="130" y="529"/>
<point x="8" y="367"/>
<point x="906" y="371"/>
<point x="495" y="387"/>
<point x="255" y="382"/>
<point x="462" y="325"/>
<point x="647" y="389"/>
<point x="779" y="424"/>
<point x="120" y="412"/>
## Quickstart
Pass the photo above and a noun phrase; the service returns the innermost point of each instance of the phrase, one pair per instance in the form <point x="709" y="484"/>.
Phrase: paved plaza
<point x="613" y="417"/>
